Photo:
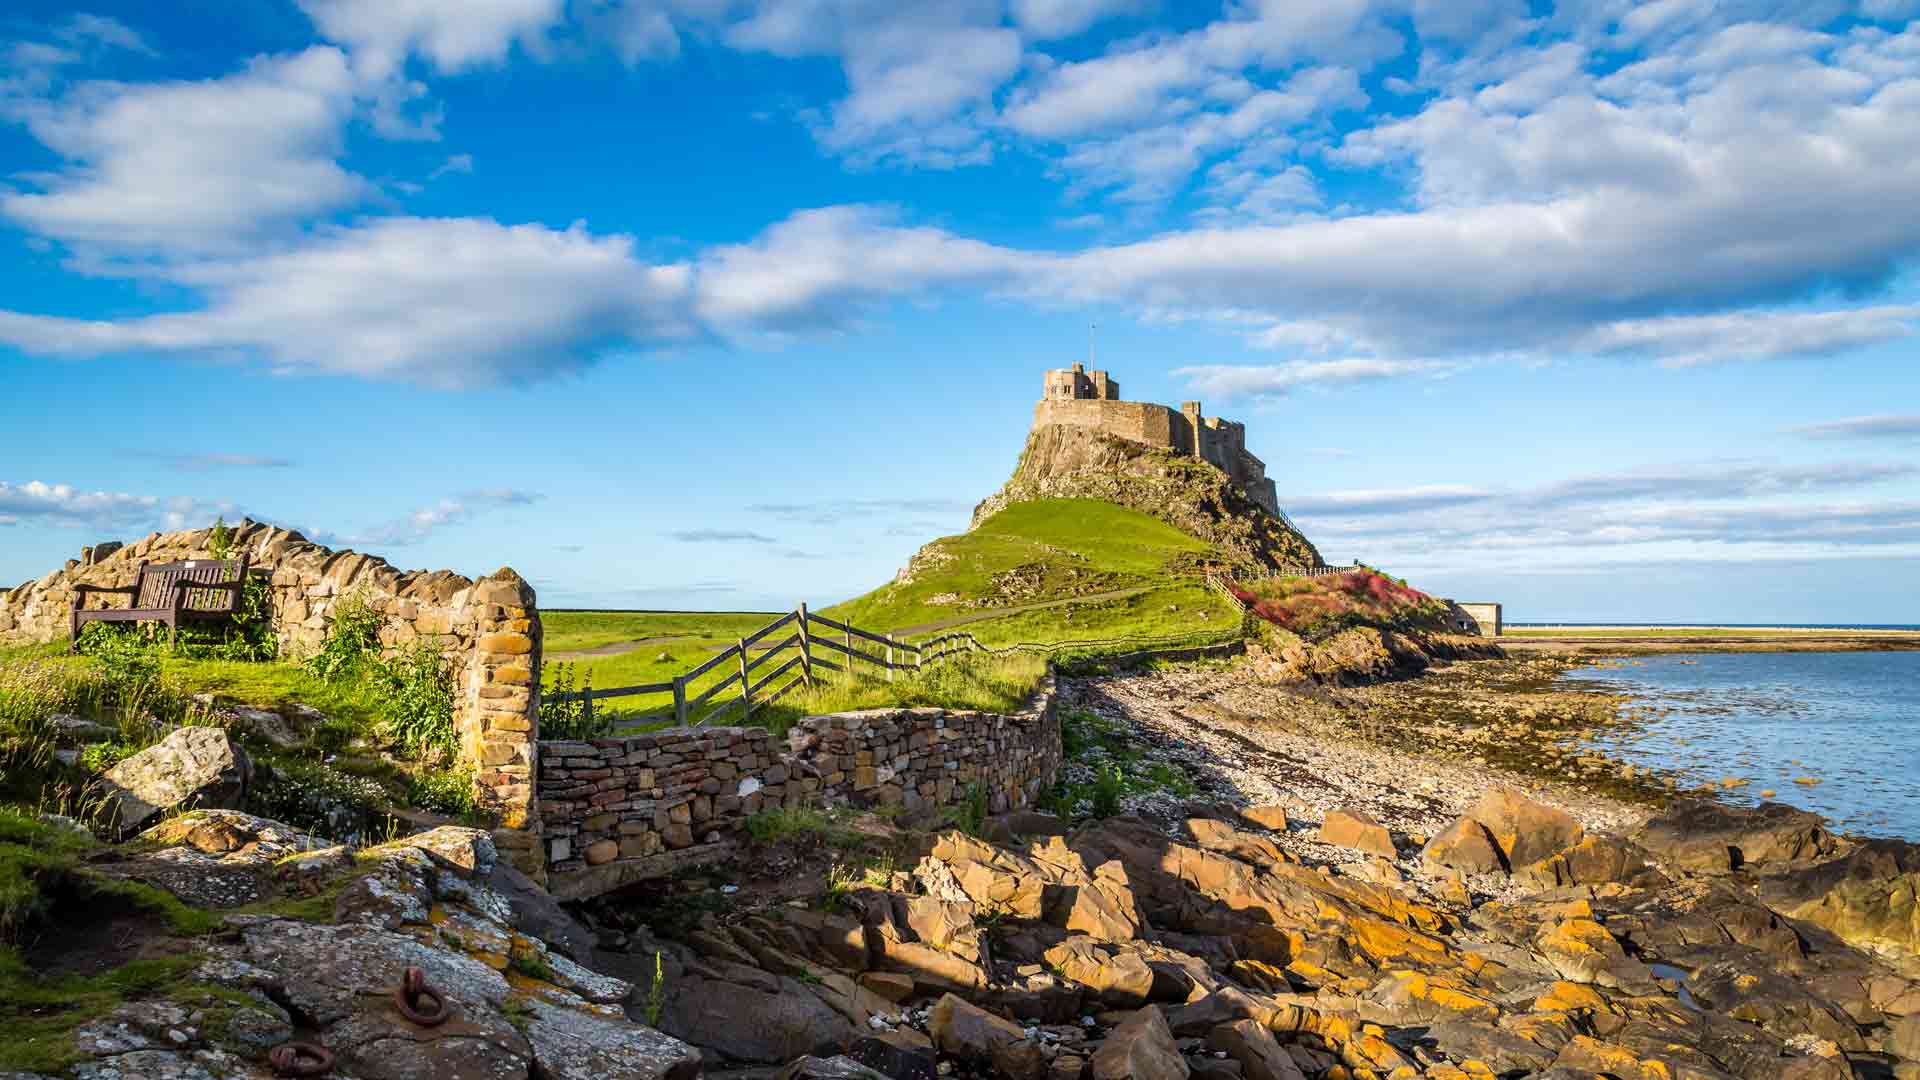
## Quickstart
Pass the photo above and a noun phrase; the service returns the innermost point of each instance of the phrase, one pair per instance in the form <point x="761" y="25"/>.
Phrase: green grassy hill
<point x="1103" y="569"/>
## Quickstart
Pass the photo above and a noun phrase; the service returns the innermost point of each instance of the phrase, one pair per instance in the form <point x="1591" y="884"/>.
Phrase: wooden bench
<point x="203" y="589"/>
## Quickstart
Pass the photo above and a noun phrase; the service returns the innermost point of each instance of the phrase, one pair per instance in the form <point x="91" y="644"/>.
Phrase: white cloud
<point x="1046" y="19"/>
<point x="819" y="268"/>
<point x="916" y="74"/>
<point x="422" y="523"/>
<point x="453" y="34"/>
<point x="1689" y="511"/>
<point x="1689" y="341"/>
<point x="445" y="302"/>
<point x="1864" y="427"/>
<point x="65" y="505"/>
<point x="193" y="166"/>
<point x="85" y="30"/>
<point x="1237" y="380"/>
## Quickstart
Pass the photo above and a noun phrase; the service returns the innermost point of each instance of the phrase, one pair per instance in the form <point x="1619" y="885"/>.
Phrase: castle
<point x="1078" y="398"/>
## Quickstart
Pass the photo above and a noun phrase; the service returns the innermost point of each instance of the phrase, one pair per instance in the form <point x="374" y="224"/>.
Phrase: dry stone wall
<point x="618" y="810"/>
<point x="489" y="629"/>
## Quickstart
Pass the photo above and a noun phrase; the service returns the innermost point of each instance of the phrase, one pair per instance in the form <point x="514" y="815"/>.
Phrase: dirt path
<point x="995" y="613"/>
<point x="618" y="648"/>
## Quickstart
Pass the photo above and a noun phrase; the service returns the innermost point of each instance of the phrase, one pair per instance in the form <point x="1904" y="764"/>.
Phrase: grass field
<point x="574" y="631"/>
<point x="1046" y="550"/>
<point x="1056" y="551"/>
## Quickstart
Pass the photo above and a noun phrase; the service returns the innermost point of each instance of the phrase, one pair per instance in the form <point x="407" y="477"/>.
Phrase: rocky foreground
<point x="1310" y="907"/>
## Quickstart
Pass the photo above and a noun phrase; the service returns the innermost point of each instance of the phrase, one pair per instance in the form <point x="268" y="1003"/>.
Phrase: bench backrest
<point x="157" y="580"/>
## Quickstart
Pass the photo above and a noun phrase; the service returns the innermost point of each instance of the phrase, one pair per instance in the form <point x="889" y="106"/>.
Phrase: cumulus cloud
<point x="35" y="502"/>
<point x="445" y="302"/>
<point x="452" y="34"/>
<point x="819" y="268"/>
<point x="1045" y="19"/>
<point x="913" y="71"/>
<point x="193" y="166"/>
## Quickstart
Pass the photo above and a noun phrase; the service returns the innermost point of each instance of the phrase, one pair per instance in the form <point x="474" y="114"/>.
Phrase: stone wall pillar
<point x="497" y="712"/>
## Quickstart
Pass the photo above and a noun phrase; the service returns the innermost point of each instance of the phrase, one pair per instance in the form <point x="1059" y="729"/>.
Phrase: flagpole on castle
<point x="1090" y="327"/>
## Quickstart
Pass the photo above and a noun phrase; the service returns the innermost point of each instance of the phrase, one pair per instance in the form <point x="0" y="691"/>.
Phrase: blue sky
<point x="1604" y="310"/>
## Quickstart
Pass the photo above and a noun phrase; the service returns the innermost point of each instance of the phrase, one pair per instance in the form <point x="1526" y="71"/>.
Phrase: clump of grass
<point x="442" y="791"/>
<point x="411" y="690"/>
<point x="530" y="963"/>
<point x="656" y="992"/>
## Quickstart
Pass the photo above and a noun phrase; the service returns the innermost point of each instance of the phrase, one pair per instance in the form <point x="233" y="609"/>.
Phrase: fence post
<point x="679" y="701"/>
<point x="849" y="652"/>
<point x="586" y="703"/>
<point x="806" y="648"/>
<point x="889" y="657"/>
<point x="746" y="685"/>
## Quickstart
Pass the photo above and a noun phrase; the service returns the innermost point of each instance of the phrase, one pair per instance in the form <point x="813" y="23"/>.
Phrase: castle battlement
<point x="1076" y="398"/>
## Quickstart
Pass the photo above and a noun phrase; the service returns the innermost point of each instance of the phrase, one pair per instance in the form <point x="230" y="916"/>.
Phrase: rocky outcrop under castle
<point x="1065" y="462"/>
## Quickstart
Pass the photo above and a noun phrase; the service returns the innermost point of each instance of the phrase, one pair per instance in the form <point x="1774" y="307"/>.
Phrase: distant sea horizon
<point x="1683" y="624"/>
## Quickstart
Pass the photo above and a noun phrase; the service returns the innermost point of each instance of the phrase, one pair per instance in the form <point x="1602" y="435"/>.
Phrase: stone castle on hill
<point x="1076" y="397"/>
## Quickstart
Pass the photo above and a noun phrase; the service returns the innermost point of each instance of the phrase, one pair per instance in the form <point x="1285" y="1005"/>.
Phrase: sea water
<point x="1850" y="720"/>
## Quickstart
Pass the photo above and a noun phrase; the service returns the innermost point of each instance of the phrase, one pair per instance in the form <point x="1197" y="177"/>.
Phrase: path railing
<point x="753" y="669"/>
<point x="1298" y="572"/>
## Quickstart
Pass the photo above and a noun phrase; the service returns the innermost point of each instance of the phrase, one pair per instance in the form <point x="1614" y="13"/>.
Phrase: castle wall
<point x="1140" y="421"/>
<point x="1072" y="397"/>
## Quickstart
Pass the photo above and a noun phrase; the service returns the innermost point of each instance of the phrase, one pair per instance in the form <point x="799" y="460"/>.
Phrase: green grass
<point x="1052" y="548"/>
<point x="572" y="631"/>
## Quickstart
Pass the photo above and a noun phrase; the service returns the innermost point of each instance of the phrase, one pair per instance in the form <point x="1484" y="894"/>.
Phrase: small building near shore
<point x="1476" y="618"/>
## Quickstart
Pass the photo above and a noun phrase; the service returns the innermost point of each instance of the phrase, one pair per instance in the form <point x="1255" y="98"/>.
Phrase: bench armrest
<point x="128" y="589"/>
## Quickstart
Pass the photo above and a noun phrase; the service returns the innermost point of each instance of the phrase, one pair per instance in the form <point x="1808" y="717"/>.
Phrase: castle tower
<point x="1195" y="433"/>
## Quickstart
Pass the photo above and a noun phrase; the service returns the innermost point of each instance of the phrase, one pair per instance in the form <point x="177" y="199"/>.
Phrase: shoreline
<point x="1605" y="641"/>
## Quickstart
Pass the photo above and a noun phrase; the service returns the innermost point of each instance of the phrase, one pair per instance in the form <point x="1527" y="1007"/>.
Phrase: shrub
<point x="416" y="702"/>
<point x="1323" y="606"/>
<point x="569" y="719"/>
<point x="352" y="643"/>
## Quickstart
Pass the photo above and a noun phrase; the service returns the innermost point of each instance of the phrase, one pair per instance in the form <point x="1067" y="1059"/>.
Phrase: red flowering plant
<point x="1320" y="606"/>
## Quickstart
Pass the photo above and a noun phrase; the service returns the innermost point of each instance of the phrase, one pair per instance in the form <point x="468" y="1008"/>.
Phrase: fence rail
<point x="1299" y="572"/>
<point x="883" y="652"/>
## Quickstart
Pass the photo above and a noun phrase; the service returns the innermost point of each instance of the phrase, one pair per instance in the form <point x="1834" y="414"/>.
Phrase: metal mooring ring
<point x="419" y="1002"/>
<point x="300" y="1059"/>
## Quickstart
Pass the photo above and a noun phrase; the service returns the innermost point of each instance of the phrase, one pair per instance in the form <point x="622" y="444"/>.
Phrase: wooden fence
<point x="752" y="668"/>
<point x="1299" y="572"/>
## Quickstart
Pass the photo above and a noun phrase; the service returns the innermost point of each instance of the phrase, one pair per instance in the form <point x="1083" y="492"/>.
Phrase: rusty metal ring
<point x="412" y="998"/>
<point x="300" y="1059"/>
